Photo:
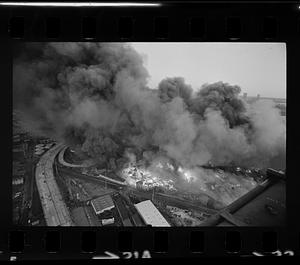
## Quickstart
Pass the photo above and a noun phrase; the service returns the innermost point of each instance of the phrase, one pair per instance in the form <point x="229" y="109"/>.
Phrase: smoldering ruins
<point x="94" y="98"/>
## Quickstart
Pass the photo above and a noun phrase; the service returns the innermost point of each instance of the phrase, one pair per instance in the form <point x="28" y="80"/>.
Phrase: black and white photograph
<point x="161" y="134"/>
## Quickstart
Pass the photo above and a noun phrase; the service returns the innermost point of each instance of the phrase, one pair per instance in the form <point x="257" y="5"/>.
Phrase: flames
<point x="187" y="174"/>
<point x="166" y="166"/>
<point x="155" y="176"/>
<point x="220" y="185"/>
<point x="147" y="179"/>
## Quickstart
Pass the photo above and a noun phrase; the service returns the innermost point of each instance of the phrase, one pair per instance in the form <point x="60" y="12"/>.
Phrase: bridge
<point x="55" y="210"/>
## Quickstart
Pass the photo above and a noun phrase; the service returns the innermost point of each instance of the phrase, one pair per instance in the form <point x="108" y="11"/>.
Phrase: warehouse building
<point x="150" y="214"/>
<point x="102" y="204"/>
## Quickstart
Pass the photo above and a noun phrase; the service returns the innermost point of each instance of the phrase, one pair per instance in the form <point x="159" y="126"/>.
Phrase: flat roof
<point x="102" y="203"/>
<point x="151" y="214"/>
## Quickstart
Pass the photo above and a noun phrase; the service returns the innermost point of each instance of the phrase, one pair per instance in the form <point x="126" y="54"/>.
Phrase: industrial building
<point x="102" y="204"/>
<point x="150" y="214"/>
<point x="262" y="206"/>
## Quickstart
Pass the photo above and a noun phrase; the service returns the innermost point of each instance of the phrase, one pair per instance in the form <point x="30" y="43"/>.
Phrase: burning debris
<point x="146" y="179"/>
<point x="187" y="175"/>
<point x="223" y="185"/>
<point x="95" y="96"/>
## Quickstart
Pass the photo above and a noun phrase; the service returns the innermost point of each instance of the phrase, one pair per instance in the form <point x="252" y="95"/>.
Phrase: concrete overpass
<point x="88" y="163"/>
<point x="66" y="164"/>
<point x="55" y="210"/>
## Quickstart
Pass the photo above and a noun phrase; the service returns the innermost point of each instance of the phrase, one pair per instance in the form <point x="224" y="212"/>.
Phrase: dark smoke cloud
<point x="170" y="88"/>
<point x="95" y="95"/>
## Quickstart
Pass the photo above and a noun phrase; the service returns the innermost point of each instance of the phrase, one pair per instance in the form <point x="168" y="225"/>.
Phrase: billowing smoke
<point x="95" y="95"/>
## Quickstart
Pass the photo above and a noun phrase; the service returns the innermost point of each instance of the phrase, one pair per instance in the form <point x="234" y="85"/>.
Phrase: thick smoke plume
<point x="95" y="95"/>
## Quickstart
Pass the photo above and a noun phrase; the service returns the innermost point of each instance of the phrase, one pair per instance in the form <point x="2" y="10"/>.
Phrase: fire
<point x="147" y="179"/>
<point x="166" y="165"/>
<point x="187" y="174"/>
<point x="170" y="166"/>
<point x="159" y="165"/>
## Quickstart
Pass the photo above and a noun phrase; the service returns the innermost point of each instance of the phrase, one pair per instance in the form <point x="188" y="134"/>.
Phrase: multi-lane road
<point x="55" y="210"/>
<point x="63" y="162"/>
<point x="28" y="187"/>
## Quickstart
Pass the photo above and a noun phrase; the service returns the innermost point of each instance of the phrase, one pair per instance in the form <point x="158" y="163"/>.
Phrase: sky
<point x="258" y="68"/>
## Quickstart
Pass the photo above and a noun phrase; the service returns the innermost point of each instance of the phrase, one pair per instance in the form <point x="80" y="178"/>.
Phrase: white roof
<point x="150" y="214"/>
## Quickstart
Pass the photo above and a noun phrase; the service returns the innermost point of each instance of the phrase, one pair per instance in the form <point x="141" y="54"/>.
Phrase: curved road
<point x="66" y="164"/>
<point x="55" y="210"/>
<point x="62" y="161"/>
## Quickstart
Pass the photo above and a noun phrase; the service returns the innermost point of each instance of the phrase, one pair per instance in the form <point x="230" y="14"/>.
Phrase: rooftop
<point x="151" y="214"/>
<point x="102" y="203"/>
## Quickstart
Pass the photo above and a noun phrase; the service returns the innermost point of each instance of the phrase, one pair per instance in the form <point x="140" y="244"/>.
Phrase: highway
<point x="28" y="188"/>
<point x="66" y="164"/>
<point x="55" y="210"/>
<point x="62" y="161"/>
<point x="104" y="181"/>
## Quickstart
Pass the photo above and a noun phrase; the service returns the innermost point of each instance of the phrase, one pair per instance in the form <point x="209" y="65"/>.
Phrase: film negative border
<point x="140" y="243"/>
<point x="202" y="22"/>
<point x="274" y="22"/>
